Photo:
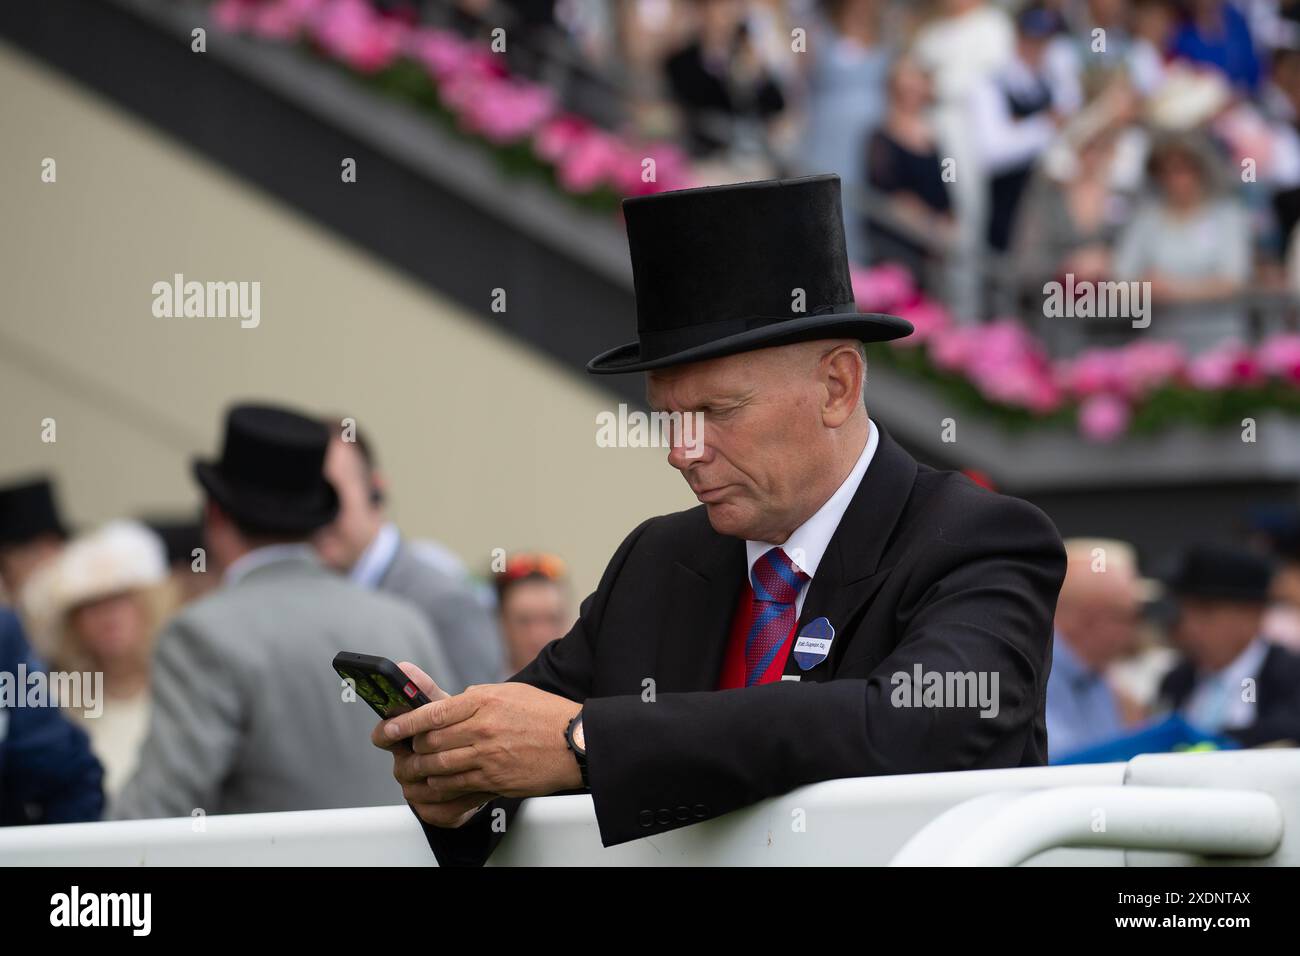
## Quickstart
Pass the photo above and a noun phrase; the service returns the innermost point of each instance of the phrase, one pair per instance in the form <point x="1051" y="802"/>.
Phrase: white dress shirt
<point x="375" y="560"/>
<point x="806" y="546"/>
<point x="1218" y="701"/>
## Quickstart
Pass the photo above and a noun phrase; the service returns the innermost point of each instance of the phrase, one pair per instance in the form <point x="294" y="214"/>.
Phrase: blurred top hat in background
<point x="270" y="475"/>
<point x="28" y="510"/>
<point x="1222" y="572"/>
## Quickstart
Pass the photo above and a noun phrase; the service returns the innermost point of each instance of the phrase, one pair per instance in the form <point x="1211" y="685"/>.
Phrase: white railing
<point x="1156" y="809"/>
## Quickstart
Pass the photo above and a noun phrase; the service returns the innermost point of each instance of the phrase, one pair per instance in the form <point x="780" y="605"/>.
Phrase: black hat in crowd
<point x="270" y="477"/>
<point x="716" y="269"/>
<point x="1223" y="572"/>
<point x="180" y="536"/>
<point x="28" y="511"/>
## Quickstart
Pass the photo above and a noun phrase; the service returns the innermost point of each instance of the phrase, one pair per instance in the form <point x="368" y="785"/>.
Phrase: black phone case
<point x="380" y="683"/>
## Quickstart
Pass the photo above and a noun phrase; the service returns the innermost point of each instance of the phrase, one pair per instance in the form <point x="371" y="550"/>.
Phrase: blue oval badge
<point x="813" y="643"/>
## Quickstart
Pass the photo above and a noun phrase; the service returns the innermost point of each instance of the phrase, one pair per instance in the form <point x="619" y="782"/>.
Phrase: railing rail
<point x="1007" y="829"/>
<point x="1196" y="807"/>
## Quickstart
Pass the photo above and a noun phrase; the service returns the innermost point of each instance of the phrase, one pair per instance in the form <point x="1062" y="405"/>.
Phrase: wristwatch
<point x="579" y="752"/>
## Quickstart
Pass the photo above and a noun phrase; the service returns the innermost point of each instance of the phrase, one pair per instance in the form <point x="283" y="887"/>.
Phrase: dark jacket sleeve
<point x="563" y="667"/>
<point x="47" y="771"/>
<point x="982" y="600"/>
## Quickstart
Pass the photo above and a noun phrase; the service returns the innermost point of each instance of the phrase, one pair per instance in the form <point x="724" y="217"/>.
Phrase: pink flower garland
<point x="1009" y="367"/>
<point x="473" y="84"/>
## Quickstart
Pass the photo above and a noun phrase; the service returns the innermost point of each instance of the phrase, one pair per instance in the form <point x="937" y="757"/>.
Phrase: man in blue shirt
<point x="1096" y="624"/>
<point x="47" y="771"/>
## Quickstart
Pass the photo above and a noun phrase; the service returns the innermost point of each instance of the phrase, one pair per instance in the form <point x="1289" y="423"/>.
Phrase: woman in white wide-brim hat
<point x="96" y="610"/>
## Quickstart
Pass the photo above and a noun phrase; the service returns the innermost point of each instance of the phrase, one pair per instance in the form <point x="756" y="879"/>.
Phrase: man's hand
<point x="505" y="739"/>
<point x="449" y="813"/>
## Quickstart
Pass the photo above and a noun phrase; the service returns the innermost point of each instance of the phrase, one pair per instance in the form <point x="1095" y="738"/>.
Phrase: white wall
<point x="487" y="443"/>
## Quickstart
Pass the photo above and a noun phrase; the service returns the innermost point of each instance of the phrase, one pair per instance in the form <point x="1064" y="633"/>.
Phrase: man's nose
<point x="683" y="454"/>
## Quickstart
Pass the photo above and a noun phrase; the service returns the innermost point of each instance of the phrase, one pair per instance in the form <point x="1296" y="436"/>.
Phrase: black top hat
<point x="27" y="511"/>
<point x="270" y="477"/>
<point x="180" y="536"/>
<point x="1223" y="572"/>
<point x="716" y="269"/>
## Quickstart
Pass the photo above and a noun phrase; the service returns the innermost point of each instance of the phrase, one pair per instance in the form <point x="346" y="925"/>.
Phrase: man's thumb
<point x="423" y="681"/>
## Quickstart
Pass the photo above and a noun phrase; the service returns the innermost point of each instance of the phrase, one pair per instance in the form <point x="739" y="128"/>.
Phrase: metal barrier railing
<point x="1241" y="805"/>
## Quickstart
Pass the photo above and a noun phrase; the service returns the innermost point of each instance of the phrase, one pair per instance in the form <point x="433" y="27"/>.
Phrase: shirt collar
<point x="1245" y="665"/>
<point x="808" y="544"/>
<point x="378" y="556"/>
<point x="271" y="553"/>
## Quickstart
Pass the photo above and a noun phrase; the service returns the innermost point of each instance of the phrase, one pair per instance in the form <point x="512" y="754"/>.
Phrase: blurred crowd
<point x="168" y="615"/>
<point x="989" y="145"/>
<point x="213" y="639"/>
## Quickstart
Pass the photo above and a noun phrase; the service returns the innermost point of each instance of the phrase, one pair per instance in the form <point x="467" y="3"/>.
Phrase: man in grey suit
<point x="248" y="714"/>
<point x="364" y="544"/>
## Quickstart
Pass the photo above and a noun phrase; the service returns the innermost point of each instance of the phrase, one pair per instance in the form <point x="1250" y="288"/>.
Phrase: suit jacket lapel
<point x="702" y="589"/>
<point x="850" y="571"/>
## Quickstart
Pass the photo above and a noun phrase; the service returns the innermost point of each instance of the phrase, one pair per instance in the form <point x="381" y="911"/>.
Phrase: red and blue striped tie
<point x="777" y="582"/>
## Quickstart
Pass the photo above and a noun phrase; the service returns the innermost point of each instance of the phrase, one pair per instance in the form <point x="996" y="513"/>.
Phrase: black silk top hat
<point x="1224" y="573"/>
<point x="717" y="269"/>
<point x="28" y="511"/>
<point x="270" y="476"/>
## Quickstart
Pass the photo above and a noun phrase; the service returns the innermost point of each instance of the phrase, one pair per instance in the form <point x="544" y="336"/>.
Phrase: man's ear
<point x="843" y="373"/>
<point x="378" y="489"/>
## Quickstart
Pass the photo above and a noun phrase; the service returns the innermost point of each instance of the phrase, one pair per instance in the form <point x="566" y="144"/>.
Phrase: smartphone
<point x="380" y="683"/>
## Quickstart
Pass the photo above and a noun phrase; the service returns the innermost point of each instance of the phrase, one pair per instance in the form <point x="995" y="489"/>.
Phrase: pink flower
<point x="951" y="348"/>
<point x="442" y="53"/>
<point x="1103" y="418"/>
<point x="671" y="170"/>
<point x="928" y="319"/>
<point x="351" y="32"/>
<point x="591" y="162"/>
<point x="233" y="16"/>
<point x="883" y="287"/>
<point x="1223" y="366"/>
<point x="505" y="111"/>
<point x="1092" y="373"/>
<point x="1145" y="366"/>
<point x="1279" y="356"/>
<point x="559" y="135"/>
<point x="283" y="19"/>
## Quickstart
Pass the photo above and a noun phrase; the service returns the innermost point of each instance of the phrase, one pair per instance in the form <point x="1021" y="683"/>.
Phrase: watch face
<point x="579" y="739"/>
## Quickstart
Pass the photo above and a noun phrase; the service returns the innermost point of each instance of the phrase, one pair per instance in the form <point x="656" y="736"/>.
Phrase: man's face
<point x="341" y="543"/>
<point x="1098" y="614"/>
<point x="1213" y="632"/>
<point x="533" y="614"/>
<point x="762" y="440"/>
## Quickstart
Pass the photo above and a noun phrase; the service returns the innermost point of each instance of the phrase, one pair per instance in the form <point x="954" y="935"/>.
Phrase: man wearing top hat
<point x="248" y="714"/>
<point x="1231" y="680"/>
<point x="31" y="533"/>
<point x="768" y="638"/>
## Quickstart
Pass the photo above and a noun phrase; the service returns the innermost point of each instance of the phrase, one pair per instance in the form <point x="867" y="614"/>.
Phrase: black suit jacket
<point x="1277" y="697"/>
<point x="925" y="568"/>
